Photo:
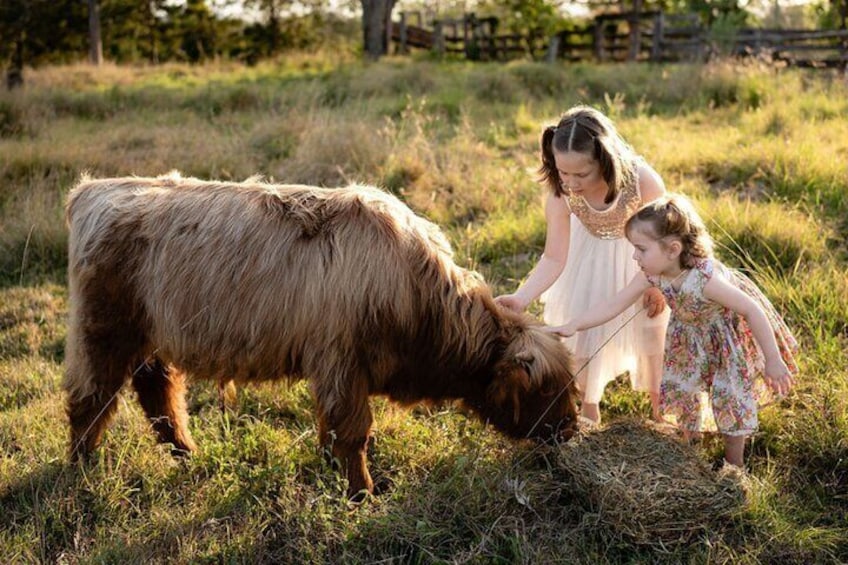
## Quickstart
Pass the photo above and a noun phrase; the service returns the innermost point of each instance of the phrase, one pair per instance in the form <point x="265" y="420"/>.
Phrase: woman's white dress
<point x="600" y="263"/>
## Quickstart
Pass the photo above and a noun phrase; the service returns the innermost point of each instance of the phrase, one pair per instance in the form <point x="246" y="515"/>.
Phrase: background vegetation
<point x="38" y="32"/>
<point x="762" y="153"/>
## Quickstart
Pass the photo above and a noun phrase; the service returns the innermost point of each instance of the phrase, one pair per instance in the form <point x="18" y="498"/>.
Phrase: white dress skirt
<point x="596" y="270"/>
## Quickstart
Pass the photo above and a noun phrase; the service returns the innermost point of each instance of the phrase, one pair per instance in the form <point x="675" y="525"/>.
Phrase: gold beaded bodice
<point x="608" y="223"/>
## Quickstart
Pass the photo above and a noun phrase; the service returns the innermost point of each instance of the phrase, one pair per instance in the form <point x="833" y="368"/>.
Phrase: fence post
<point x="466" y="34"/>
<point x="553" y="48"/>
<point x="403" y="34"/>
<point x="656" y="44"/>
<point x="598" y="40"/>
<point x="439" y="37"/>
<point x="492" y="30"/>
<point x="470" y="36"/>
<point x="635" y="36"/>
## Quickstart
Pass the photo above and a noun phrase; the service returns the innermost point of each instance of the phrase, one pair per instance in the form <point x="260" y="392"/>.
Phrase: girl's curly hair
<point x="673" y="216"/>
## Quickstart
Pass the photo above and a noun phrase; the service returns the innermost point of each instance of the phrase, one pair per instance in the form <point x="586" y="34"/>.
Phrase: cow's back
<point x="253" y="278"/>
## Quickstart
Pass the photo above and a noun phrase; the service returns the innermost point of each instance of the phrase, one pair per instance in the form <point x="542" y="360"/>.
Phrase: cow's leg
<point x="226" y="394"/>
<point x="98" y="364"/>
<point x="346" y="426"/>
<point x="161" y="392"/>
<point x="91" y="414"/>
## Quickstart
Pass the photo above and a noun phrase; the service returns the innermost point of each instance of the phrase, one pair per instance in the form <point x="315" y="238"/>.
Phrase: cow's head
<point x="532" y="393"/>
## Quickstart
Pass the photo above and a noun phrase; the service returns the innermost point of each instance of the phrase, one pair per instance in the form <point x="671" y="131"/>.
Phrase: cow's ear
<point x="510" y="386"/>
<point x="520" y="384"/>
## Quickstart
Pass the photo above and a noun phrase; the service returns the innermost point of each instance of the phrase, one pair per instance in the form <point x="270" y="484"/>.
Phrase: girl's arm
<point x="719" y="289"/>
<point x="552" y="262"/>
<point x="651" y="185"/>
<point x="598" y="314"/>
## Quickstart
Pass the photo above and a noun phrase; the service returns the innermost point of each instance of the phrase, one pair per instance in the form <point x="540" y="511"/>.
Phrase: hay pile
<point x="646" y="486"/>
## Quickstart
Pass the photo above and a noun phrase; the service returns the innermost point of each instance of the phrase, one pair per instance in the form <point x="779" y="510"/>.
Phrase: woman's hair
<point x="674" y="217"/>
<point x="586" y="130"/>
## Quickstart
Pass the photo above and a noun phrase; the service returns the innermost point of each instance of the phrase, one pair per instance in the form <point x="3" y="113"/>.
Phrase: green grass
<point x="761" y="153"/>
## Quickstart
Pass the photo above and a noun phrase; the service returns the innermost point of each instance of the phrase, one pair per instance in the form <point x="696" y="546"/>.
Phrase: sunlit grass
<point x="761" y="153"/>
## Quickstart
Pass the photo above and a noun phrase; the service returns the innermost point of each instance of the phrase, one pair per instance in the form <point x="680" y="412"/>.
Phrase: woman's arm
<point x="552" y="262"/>
<point x="651" y="185"/>
<point x="600" y="313"/>
<point x="720" y="290"/>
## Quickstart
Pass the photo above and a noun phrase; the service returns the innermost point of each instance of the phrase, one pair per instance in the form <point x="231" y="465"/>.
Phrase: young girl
<point x="596" y="182"/>
<point x="724" y="336"/>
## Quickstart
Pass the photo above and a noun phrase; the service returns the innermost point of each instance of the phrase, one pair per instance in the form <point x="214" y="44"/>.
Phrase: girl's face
<point x="579" y="173"/>
<point x="654" y="257"/>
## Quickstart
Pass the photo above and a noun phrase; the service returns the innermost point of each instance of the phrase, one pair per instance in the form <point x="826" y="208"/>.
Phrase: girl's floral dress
<point x="713" y="373"/>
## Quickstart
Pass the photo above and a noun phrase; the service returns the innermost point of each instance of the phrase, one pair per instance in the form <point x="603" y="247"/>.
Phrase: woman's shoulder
<point x="651" y="185"/>
<point x="557" y="203"/>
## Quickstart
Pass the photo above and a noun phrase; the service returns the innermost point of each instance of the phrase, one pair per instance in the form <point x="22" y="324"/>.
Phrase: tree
<point x="36" y="31"/>
<point x="377" y="27"/>
<point x="841" y="7"/>
<point x="14" y="16"/>
<point x="95" y="43"/>
<point x="196" y="30"/>
<point x="271" y="9"/>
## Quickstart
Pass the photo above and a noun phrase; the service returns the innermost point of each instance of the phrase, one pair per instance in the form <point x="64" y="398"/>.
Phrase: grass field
<point x="762" y="153"/>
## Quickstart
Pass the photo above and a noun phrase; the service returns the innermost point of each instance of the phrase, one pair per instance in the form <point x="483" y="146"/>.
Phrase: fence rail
<point x="625" y="36"/>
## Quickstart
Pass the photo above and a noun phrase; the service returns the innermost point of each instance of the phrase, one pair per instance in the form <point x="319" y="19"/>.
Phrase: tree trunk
<point x="20" y="18"/>
<point x="95" y="53"/>
<point x="154" y="47"/>
<point x="273" y="29"/>
<point x="15" y="72"/>
<point x="377" y="27"/>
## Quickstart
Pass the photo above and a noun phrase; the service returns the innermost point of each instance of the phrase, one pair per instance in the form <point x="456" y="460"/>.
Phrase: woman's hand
<point x="511" y="302"/>
<point x="653" y="301"/>
<point x="778" y="377"/>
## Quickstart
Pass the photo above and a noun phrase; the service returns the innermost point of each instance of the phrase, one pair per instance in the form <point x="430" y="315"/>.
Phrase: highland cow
<point x="345" y="287"/>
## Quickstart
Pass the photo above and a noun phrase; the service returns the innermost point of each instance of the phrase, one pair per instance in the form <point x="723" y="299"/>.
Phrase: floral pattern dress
<point x="713" y="372"/>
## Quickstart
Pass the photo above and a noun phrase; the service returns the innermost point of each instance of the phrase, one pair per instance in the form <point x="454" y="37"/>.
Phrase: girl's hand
<point x="778" y="376"/>
<point x="565" y="330"/>
<point x="653" y="301"/>
<point x="510" y="302"/>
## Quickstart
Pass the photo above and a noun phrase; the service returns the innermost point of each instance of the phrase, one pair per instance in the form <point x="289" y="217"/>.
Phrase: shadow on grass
<point x="49" y="504"/>
<point x="10" y="276"/>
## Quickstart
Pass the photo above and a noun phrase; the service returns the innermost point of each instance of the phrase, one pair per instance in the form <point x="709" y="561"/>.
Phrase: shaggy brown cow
<point x="344" y="287"/>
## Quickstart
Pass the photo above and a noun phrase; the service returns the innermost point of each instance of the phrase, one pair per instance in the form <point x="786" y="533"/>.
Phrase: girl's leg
<point x="691" y="437"/>
<point x="591" y="411"/>
<point x="656" y="412"/>
<point x="734" y="450"/>
<point x="652" y="345"/>
<point x="655" y="367"/>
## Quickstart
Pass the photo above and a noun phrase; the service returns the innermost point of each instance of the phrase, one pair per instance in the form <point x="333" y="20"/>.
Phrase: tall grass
<point x="761" y="153"/>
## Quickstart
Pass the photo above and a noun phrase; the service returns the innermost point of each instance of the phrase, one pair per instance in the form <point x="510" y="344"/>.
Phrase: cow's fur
<point x="250" y="281"/>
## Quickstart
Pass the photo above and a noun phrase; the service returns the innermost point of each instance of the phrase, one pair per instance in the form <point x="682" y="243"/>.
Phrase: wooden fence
<point x="796" y="47"/>
<point x="476" y="38"/>
<point x="630" y="36"/>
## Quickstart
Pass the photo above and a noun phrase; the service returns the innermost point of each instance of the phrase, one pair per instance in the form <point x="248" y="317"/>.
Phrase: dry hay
<point x="646" y="485"/>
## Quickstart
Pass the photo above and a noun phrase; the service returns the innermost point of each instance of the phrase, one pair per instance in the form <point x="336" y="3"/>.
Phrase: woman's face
<point x="580" y="174"/>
